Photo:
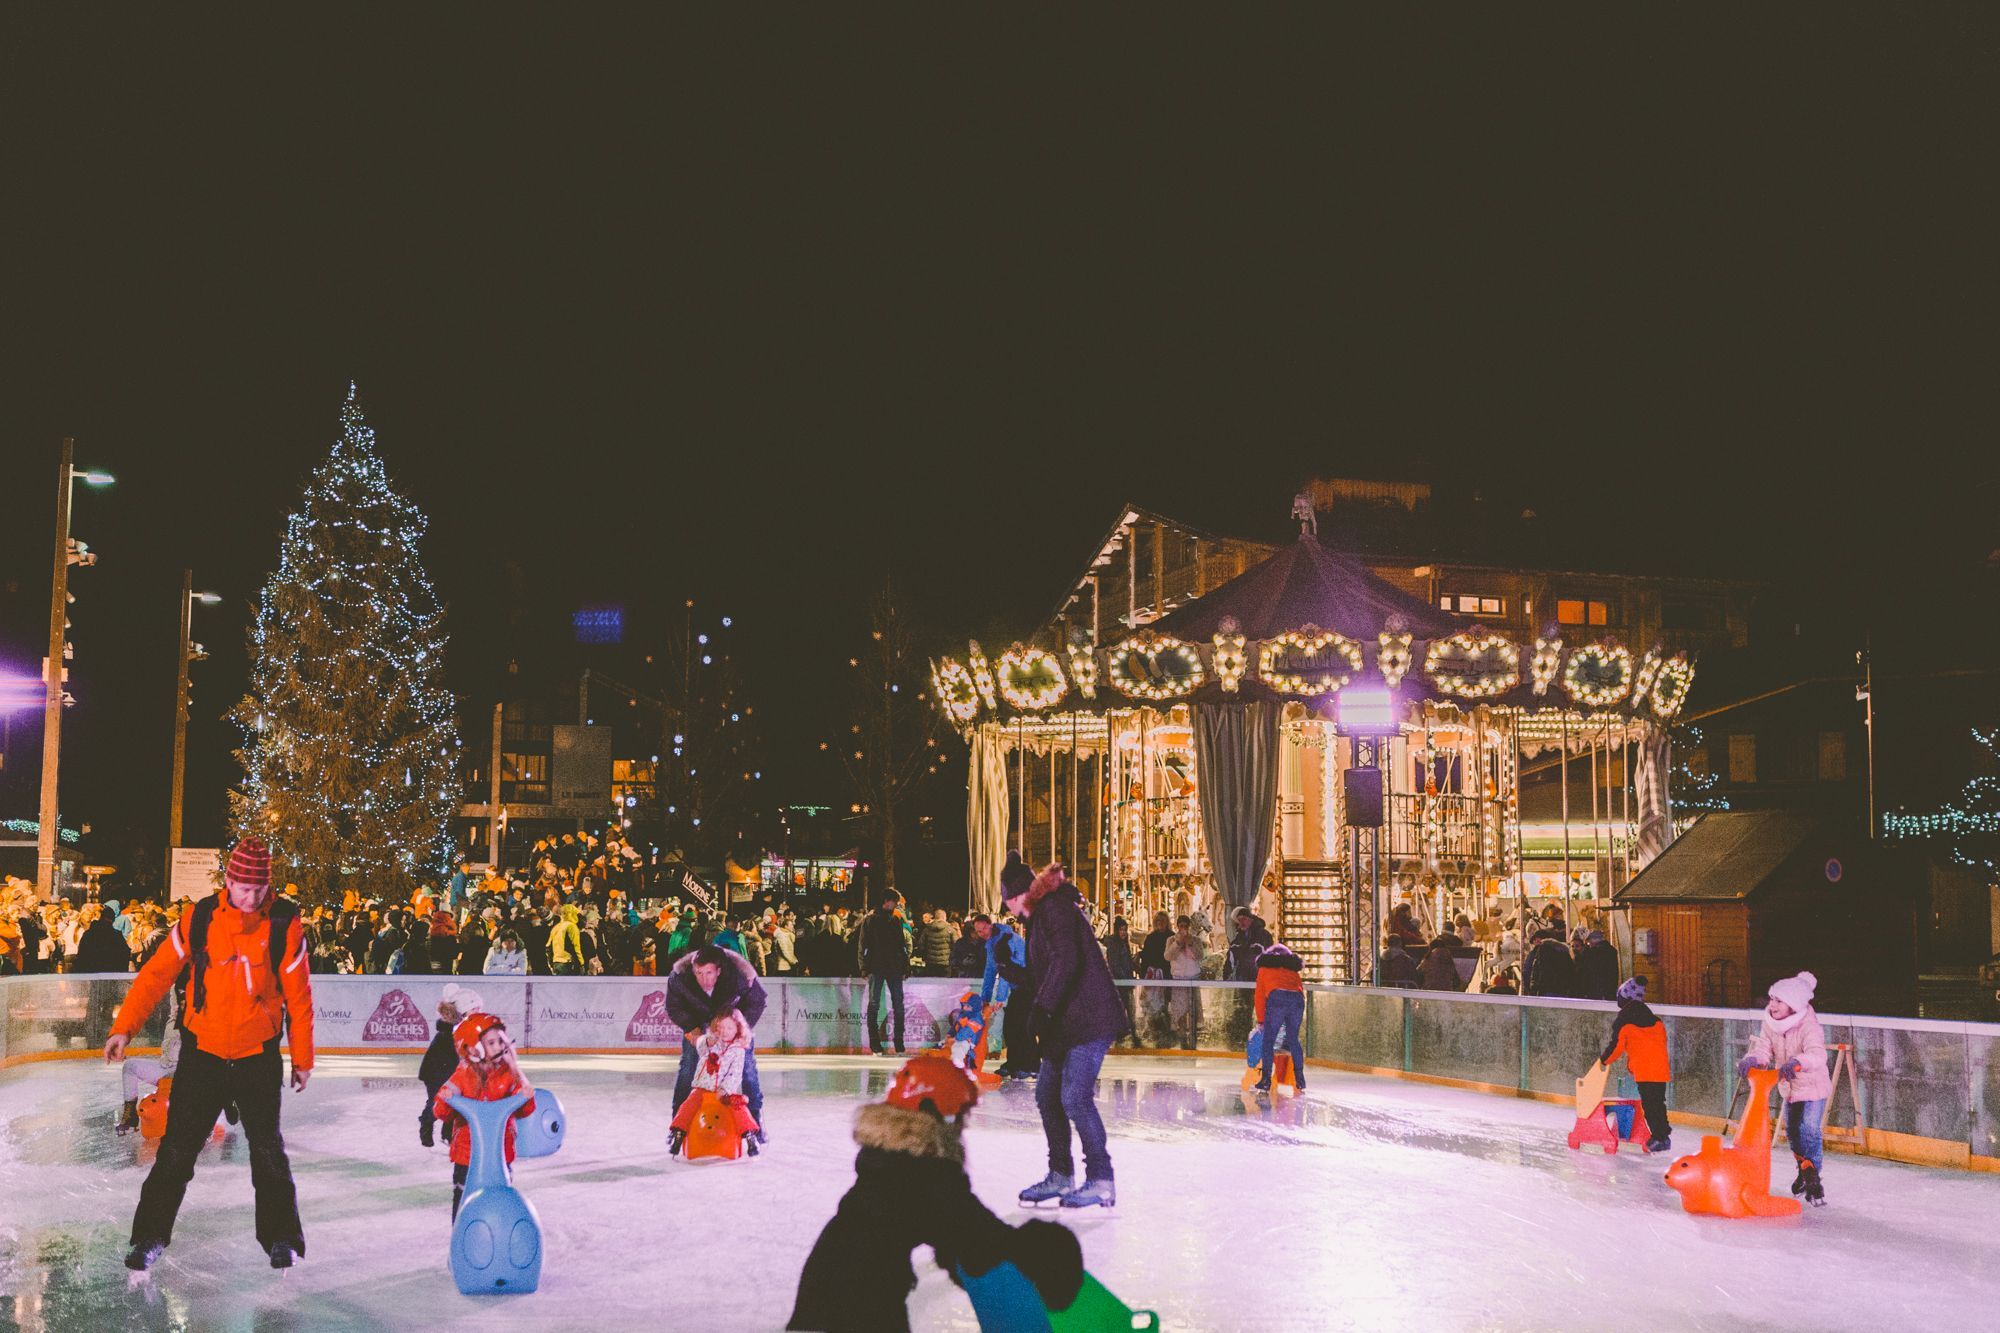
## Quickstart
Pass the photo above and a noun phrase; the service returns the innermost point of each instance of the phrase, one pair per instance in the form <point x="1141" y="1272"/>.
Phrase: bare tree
<point x="892" y="728"/>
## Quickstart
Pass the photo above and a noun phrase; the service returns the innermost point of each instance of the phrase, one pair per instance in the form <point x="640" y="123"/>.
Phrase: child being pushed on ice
<point x="720" y="1053"/>
<point x="487" y="1071"/>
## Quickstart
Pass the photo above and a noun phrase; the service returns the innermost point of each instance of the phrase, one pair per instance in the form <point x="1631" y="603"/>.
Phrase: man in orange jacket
<point x="241" y="985"/>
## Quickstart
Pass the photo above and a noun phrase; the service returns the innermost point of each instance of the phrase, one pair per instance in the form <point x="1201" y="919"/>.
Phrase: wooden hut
<point x="1746" y="897"/>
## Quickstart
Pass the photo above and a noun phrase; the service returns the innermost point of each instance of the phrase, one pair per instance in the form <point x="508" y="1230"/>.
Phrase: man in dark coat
<point x="1252" y="938"/>
<point x="1077" y="1013"/>
<point x="702" y="986"/>
<point x="1551" y="969"/>
<point x="101" y="948"/>
<point x="1396" y="967"/>
<point x="885" y="960"/>
<point x="1597" y="968"/>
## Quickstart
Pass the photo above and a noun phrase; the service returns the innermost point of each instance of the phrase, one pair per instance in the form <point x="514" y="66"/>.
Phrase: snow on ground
<point x="1373" y="1204"/>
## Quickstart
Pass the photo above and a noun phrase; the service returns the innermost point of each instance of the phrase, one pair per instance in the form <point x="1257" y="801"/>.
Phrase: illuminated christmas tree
<point x="350" y="740"/>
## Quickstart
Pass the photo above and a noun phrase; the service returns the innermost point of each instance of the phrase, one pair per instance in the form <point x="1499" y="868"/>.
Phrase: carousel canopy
<point x="1307" y="584"/>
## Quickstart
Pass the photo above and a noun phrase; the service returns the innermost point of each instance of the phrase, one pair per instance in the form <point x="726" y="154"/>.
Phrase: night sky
<point x="768" y="313"/>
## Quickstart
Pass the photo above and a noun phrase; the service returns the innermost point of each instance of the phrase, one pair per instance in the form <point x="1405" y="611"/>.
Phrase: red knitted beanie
<point x="250" y="863"/>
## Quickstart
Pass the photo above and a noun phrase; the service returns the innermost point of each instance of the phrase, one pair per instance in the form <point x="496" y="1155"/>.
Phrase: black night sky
<point x="763" y="314"/>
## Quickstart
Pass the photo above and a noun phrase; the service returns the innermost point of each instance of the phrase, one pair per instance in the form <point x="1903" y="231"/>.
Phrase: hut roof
<point x="1726" y="857"/>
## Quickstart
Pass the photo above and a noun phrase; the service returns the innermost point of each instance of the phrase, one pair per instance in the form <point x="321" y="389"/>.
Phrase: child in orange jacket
<point x="487" y="1071"/>
<point x="1639" y="1035"/>
<point x="1280" y="1005"/>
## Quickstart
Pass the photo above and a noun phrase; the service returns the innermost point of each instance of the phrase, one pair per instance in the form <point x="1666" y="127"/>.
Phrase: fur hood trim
<point x="915" y="1133"/>
<point x="685" y="966"/>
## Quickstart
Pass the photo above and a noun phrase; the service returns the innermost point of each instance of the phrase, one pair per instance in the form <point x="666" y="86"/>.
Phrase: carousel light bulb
<point x="1230" y="659"/>
<point x="1083" y="669"/>
<point x="1548" y="656"/>
<point x="982" y="675"/>
<point x="1393" y="659"/>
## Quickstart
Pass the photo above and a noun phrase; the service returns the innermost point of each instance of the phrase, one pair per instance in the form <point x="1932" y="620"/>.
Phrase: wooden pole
<point x="175" y="798"/>
<point x="45" y="833"/>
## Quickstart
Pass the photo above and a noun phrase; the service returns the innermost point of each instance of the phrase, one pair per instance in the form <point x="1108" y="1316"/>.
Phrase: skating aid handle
<point x="487" y="1122"/>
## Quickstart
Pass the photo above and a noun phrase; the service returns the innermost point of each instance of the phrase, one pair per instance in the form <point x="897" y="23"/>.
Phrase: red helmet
<point x="472" y="1029"/>
<point x="931" y="1079"/>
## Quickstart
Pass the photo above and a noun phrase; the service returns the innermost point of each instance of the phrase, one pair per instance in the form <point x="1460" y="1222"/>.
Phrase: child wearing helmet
<point x="910" y="1189"/>
<point x="487" y="1071"/>
<point x="722" y="1052"/>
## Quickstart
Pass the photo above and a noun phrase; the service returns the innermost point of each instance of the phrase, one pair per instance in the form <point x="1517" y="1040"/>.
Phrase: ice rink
<point x="1372" y="1204"/>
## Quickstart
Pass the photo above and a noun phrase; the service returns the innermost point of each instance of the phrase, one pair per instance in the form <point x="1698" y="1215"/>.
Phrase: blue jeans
<point x="1802" y="1126"/>
<point x="1285" y="1013"/>
<point x="753" y="1087"/>
<point x="876" y="985"/>
<point x="1066" y="1094"/>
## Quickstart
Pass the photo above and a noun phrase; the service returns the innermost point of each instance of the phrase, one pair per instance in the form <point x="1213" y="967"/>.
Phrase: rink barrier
<point x="1930" y="1089"/>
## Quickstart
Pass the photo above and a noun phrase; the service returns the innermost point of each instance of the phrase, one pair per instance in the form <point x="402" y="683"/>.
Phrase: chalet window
<point x="1578" y="611"/>
<point x="1833" y="756"/>
<point x="1743" y="758"/>
<point x="1473" y="604"/>
<point x="1697" y="763"/>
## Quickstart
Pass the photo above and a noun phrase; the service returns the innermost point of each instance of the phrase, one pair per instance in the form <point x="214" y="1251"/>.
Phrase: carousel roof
<point x="1307" y="584"/>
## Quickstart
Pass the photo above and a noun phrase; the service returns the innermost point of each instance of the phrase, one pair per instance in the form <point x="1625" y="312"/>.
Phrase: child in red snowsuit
<point x="487" y="1071"/>
<point x="720" y="1053"/>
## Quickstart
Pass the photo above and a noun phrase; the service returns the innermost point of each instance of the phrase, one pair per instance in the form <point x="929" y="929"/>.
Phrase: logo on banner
<point x="396" y="1018"/>
<point x="697" y="890"/>
<point x="650" y="1021"/>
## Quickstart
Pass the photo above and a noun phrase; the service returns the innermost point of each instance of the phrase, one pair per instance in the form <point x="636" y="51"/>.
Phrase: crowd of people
<point x="1577" y="963"/>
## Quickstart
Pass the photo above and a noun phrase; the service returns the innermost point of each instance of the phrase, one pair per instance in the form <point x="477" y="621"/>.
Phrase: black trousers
<point x="202" y="1086"/>
<point x="1653" y="1101"/>
<point x="876" y="985"/>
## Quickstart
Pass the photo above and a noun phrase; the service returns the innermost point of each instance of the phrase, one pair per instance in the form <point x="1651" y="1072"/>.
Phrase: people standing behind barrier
<point x="968" y="951"/>
<point x="507" y="958"/>
<point x="1597" y="968"/>
<point x="101" y="948"/>
<point x="1118" y="950"/>
<point x="1439" y="970"/>
<point x="1395" y="967"/>
<point x="1153" y="951"/>
<point x="1184" y="964"/>
<point x="1403" y="924"/>
<point x="1551" y="969"/>
<point x="933" y="943"/>
<point x="1251" y="939"/>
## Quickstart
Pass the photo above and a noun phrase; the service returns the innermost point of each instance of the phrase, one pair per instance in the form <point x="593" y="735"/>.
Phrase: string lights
<point x="952" y="684"/>
<point x="1393" y="659"/>
<point x="1278" y="665"/>
<point x="1083" y="669"/>
<point x="1031" y="679"/>
<point x="1155" y="667"/>
<point x="982" y="674"/>
<point x="1670" y="690"/>
<point x="1473" y="664"/>
<point x="1599" y="674"/>
<point x="1230" y="659"/>
<point x="1543" y="666"/>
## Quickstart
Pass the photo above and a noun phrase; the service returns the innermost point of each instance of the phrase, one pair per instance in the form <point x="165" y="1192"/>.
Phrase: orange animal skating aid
<point x="1735" y="1181"/>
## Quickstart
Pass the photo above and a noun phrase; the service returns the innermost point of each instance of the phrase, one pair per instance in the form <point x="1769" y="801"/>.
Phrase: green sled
<point x="1096" y="1310"/>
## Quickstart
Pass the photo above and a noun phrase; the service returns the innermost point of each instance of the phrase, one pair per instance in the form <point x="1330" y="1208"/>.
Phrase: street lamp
<point x="68" y="552"/>
<point x="190" y="653"/>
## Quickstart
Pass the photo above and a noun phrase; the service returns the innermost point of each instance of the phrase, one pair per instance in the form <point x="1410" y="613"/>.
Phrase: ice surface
<point x="1374" y="1204"/>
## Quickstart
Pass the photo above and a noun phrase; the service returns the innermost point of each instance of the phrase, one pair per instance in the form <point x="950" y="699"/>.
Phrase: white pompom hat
<point x="1796" y="992"/>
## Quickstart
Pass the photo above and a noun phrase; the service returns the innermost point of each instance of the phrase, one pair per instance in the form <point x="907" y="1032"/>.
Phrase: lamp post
<point x="68" y="552"/>
<point x="191" y="652"/>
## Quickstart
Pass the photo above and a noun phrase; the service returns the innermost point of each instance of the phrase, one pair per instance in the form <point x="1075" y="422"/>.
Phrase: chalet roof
<point x="1307" y="583"/>
<point x="1727" y="856"/>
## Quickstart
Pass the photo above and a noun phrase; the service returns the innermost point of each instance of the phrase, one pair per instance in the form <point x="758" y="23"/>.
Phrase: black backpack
<point x="194" y="979"/>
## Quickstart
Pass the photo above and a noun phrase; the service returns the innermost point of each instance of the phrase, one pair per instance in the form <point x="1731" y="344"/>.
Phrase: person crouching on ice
<point x="910" y="1189"/>
<point x="241" y="957"/>
<point x="1639" y="1035"/>
<point x="487" y="1071"/>
<point x="722" y="1052"/>
<point x="441" y="1058"/>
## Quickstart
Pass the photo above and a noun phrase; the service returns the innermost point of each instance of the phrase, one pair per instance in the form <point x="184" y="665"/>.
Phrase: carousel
<point x="1315" y="743"/>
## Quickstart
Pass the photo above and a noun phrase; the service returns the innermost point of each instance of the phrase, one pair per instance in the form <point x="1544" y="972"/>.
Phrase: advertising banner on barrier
<point x="399" y="1012"/>
<point x="602" y="1014"/>
<point x="832" y="1014"/>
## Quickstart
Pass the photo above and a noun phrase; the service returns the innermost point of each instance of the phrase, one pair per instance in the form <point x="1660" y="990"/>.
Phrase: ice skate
<point x="128" y="1117"/>
<point x="1092" y="1194"/>
<point x="750" y="1144"/>
<point x="281" y="1255"/>
<point x="1054" y="1185"/>
<point x="1799" y="1181"/>
<point x="1811" y="1187"/>
<point x="143" y="1255"/>
<point x="676" y="1140"/>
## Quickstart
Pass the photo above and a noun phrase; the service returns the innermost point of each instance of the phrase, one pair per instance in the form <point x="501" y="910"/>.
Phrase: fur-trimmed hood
<point x="1277" y="955"/>
<point x="913" y="1133"/>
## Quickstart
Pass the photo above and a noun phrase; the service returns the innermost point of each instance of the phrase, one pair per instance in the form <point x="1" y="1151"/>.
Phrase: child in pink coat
<point x="1791" y="1043"/>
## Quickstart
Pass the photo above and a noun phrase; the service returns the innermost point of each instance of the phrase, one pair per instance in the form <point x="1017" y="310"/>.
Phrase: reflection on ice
<point x="1365" y="1204"/>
